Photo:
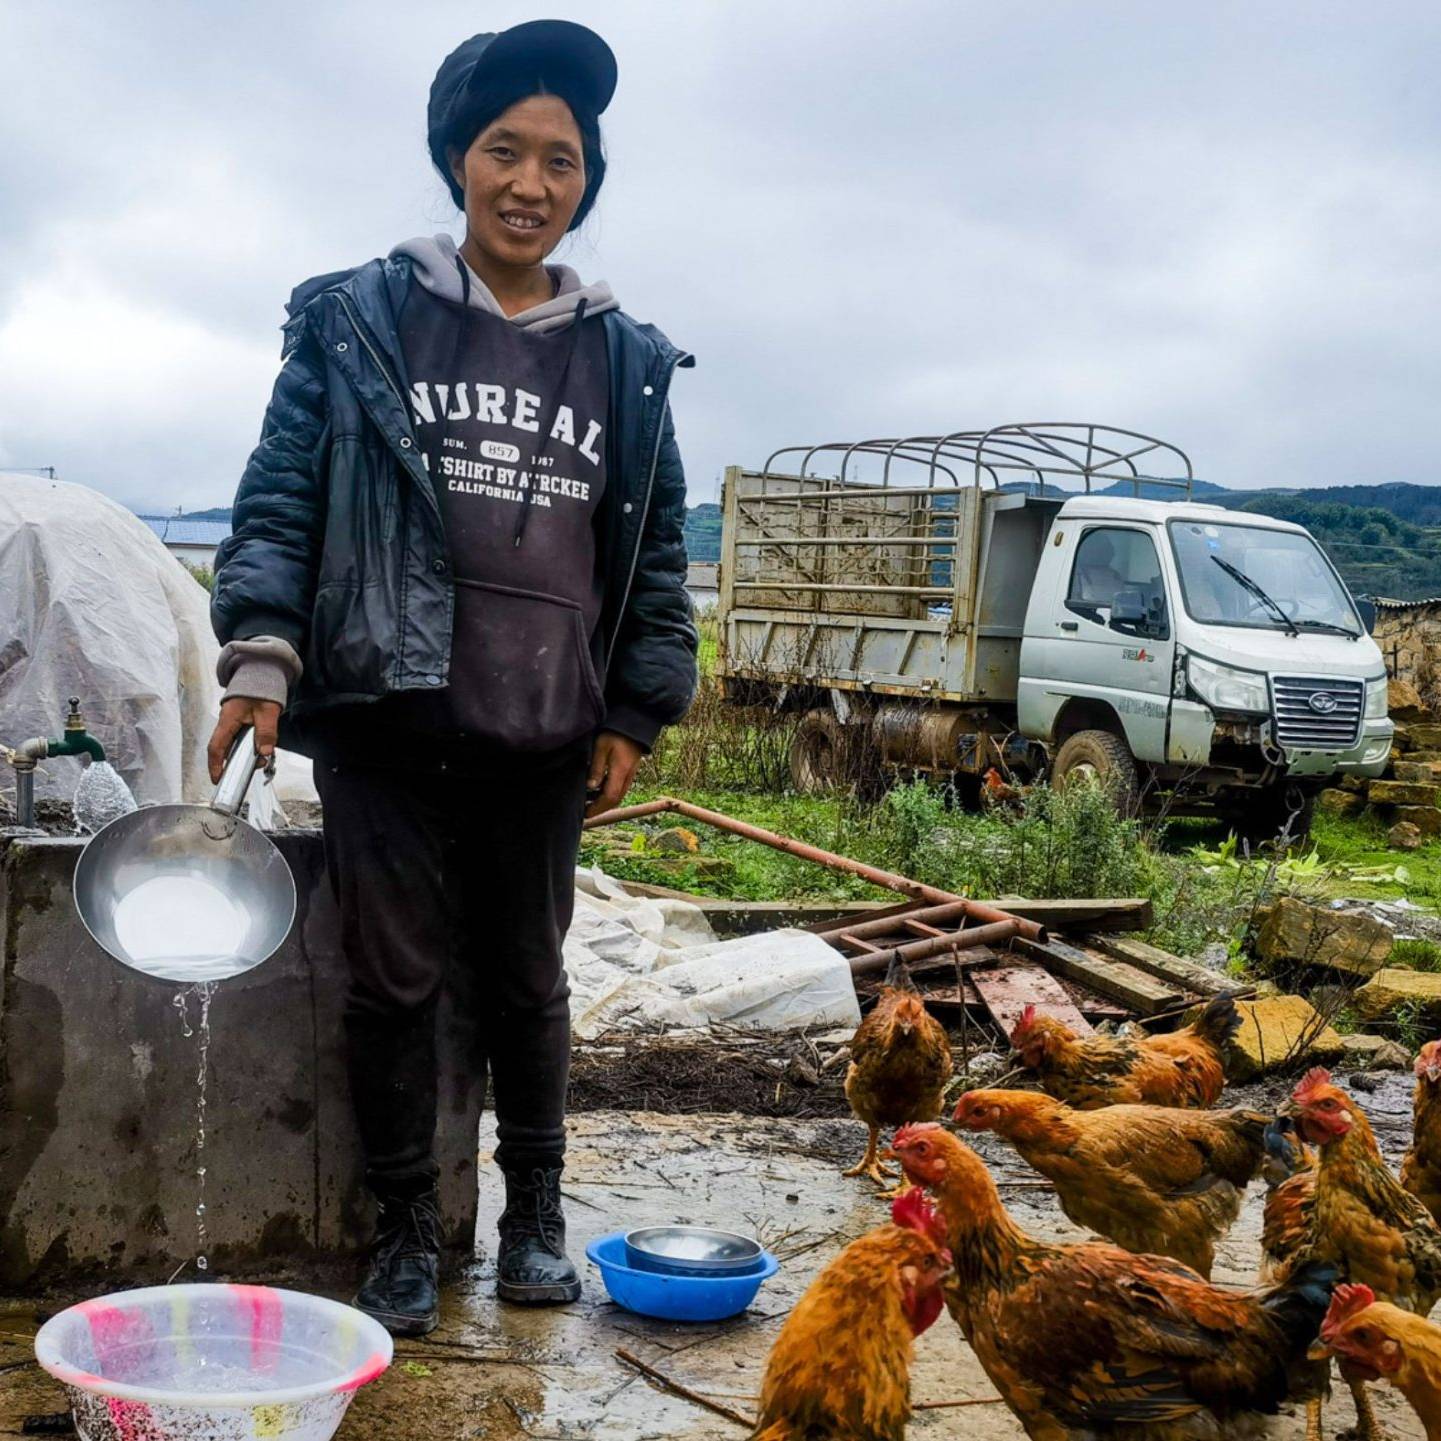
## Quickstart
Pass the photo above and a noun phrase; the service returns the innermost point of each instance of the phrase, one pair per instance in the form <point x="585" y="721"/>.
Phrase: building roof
<point x="181" y="530"/>
<point x="1382" y="602"/>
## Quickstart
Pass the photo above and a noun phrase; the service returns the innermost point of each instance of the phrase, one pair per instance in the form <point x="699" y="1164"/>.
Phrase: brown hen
<point x="900" y="1063"/>
<point x="840" y="1368"/>
<point x="1421" y="1166"/>
<point x="1183" y="1068"/>
<point x="1090" y="1341"/>
<point x="1154" y="1179"/>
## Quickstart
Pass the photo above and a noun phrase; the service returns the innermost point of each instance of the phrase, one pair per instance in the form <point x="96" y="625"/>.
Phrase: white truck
<point x="993" y="600"/>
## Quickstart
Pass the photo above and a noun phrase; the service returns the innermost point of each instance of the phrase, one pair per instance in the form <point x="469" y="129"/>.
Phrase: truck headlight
<point x="1377" y="696"/>
<point x="1224" y="688"/>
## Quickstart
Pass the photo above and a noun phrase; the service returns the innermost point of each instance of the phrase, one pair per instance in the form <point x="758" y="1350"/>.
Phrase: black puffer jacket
<point x="338" y="545"/>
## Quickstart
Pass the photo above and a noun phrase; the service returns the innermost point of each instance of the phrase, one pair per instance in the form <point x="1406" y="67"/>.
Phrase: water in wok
<point x="188" y="893"/>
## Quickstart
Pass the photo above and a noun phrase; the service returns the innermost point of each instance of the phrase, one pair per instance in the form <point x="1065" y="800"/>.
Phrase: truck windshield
<point x="1291" y="584"/>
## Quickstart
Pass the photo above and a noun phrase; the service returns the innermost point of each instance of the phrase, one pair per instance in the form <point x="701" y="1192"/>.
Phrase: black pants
<point x="467" y="879"/>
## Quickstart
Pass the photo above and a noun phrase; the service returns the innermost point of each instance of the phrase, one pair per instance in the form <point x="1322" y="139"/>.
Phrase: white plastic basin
<point x="211" y="1363"/>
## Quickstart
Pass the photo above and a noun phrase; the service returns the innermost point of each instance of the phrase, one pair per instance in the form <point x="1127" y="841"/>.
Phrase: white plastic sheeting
<point x="96" y="607"/>
<point x="638" y="962"/>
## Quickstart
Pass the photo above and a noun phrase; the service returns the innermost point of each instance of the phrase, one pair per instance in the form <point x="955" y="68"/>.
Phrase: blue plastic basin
<point x="676" y="1298"/>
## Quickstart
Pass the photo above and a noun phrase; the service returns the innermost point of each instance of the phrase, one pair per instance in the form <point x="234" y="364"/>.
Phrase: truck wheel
<point x="1103" y="759"/>
<point x="818" y="753"/>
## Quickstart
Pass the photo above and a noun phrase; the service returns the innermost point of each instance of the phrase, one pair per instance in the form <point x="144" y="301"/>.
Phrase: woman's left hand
<point x="612" y="768"/>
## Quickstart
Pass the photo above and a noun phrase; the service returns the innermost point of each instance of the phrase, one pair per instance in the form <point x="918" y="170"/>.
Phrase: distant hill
<point x="703" y="532"/>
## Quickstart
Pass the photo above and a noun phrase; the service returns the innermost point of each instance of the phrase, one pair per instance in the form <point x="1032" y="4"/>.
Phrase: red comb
<point x="1346" y="1301"/>
<point x="913" y="1210"/>
<point x="1028" y="1019"/>
<point x="915" y="1129"/>
<point x="1310" y="1083"/>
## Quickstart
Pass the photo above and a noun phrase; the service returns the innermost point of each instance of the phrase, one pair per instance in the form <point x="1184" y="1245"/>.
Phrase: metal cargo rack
<point x="897" y="572"/>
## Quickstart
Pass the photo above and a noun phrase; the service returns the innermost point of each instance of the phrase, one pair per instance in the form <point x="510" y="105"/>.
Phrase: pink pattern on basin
<point x="365" y="1373"/>
<point x="266" y="1312"/>
<point x="133" y="1420"/>
<point x="114" y="1331"/>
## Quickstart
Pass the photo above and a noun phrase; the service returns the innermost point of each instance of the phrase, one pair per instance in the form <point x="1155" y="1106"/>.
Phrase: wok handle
<point x="239" y="771"/>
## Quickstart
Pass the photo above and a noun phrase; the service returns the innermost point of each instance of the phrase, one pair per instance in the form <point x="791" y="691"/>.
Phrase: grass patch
<point x="1415" y="955"/>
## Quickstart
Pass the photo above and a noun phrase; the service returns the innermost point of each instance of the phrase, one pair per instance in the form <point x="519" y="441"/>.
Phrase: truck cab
<point x="1176" y="642"/>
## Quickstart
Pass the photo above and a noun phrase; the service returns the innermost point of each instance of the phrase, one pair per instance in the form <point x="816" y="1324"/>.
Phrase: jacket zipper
<point x="680" y="355"/>
<point x="385" y="373"/>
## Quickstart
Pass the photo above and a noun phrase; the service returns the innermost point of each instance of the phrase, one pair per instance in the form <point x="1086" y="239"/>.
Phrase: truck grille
<point x="1317" y="715"/>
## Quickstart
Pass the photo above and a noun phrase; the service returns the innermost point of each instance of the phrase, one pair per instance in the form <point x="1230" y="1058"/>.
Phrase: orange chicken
<point x="1153" y="1179"/>
<point x="840" y="1367"/>
<point x="1421" y="1166"/>
<point x="1375" y="1341"/>
<point x="1090" y="1341"/>
<point x="1183" y="1068"/>
<point x="1362" y="1219"/>
<point x="900" y="1063"/>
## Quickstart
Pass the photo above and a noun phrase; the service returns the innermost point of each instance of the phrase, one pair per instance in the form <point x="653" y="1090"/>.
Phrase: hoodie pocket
<point x="521" y="673"/>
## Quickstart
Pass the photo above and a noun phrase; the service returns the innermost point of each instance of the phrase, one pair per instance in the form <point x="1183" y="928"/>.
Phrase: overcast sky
<point x="1220" y="223"/>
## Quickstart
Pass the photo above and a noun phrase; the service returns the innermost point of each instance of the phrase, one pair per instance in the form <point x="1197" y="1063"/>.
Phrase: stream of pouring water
<point x="205" y="990"/>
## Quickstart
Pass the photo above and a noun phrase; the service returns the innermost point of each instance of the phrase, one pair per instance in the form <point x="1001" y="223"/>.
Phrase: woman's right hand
<point x="235" y="714"/>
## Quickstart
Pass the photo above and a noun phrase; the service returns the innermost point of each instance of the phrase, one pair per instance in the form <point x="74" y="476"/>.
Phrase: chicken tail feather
<point x="898" y="974"/>
<point x="1219" y="1021"/>
<point x="1299" y="1304"/>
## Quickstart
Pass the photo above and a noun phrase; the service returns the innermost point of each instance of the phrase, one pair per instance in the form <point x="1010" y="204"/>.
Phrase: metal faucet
<point x="76" y="741"/>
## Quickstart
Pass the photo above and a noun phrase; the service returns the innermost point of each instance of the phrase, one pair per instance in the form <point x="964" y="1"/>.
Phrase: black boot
<point x="402" y="1287"/>
<point x="532" y="1268"/>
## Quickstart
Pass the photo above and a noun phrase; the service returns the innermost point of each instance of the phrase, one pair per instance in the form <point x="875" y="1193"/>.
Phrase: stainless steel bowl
<point x="188" y="893"/>
<point x="691" y="1250"/>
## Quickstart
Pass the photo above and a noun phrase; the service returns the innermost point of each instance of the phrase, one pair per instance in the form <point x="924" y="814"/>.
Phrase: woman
<point x="457" y="569"/>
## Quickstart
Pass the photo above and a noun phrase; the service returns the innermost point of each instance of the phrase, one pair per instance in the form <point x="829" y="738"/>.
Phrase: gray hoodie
<point x="265" y="667"/>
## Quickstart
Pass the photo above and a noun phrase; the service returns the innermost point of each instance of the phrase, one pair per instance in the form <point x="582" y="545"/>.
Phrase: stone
<point x="677" y="841"/>
<point x="1404" y="703"/>
<point x="1391" y="988"/>
<point x="1281" y="1031"/>
<point x="1404" y="836"/>
<point x="1402" y="793"/>
<point x="1415" y="772"/>
<point x="1341" y="802"/>
<point x="1426" y="819"/>
<point x="1354" y="783"/>
<point x="1427" y="757"/>
<point x="1420" y="737"/>
<point x="1375" y="1053"/>
<point x="1296" y="933"/>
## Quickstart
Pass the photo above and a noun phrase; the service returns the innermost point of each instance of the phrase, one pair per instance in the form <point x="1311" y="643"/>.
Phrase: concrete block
<point x="1280" y="1031"/>
<point x="1295" y="933"/>
<point x="98" y="1100"/>
<point x="1392" y="988"/>
<point x="1402" y="793"/>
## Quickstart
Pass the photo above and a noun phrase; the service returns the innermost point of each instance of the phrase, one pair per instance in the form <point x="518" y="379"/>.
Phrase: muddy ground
<point x="493" y="1372"/>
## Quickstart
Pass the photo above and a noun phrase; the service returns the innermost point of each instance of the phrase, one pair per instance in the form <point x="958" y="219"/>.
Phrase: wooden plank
<point x="1116" y="979"/>
<point x="1132" y="913"/>
<point x="1008" y="990"/>
<point x="1162" y="964"/>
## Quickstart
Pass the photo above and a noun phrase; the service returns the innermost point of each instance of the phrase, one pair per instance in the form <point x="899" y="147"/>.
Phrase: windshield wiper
<point x="1329" y="626"/>
<point x="1241" y="578"/>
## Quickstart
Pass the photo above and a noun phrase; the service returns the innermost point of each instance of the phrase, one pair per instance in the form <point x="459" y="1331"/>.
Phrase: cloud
<point x="1216" y="223"/>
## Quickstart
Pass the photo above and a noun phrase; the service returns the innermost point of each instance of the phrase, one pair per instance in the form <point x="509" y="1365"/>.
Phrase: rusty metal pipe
<point x="933" y="916"/>
<point x="887" y="880"/>
<point x="958" y="941"/>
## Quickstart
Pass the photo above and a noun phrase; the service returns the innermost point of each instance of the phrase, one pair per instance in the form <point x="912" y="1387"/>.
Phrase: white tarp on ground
<point x="634" y="961"/>
<point x="96" y="607"/>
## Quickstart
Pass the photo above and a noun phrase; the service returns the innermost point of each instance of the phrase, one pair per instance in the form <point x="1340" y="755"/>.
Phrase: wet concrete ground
<point x="498" y="1372"/>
